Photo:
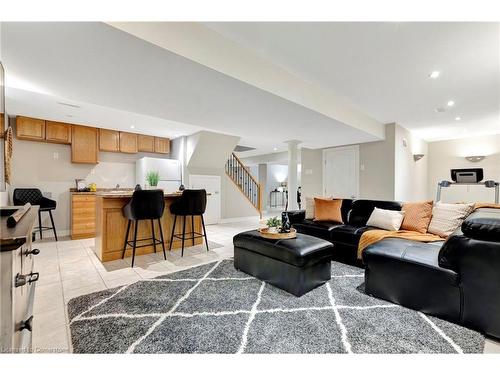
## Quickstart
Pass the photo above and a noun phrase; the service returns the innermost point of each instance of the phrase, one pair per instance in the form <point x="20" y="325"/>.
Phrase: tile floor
<point x="70" y="268"/>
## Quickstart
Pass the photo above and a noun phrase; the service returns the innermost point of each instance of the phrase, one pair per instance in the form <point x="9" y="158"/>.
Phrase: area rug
<point x="214" y="308"/>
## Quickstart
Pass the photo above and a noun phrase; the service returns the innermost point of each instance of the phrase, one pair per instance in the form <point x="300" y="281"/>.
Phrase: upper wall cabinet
<point x="57" y="132"/>
<point x="145" y="143"/>
<point x="128" y="142"/>
<point x="109" y="140"/>
<point x="162" y="145"/>
<point x="84" y="144"/>
<point x="30" y="128"/>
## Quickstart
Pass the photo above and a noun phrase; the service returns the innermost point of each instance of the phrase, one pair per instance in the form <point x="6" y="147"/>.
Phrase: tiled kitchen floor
<point x="70" y="268"/>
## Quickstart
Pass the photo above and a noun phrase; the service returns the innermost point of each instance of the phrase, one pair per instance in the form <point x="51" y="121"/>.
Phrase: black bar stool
<point x="21" y="196"/>
<point x="191" y="203"/>
<point x="144" y="205"/>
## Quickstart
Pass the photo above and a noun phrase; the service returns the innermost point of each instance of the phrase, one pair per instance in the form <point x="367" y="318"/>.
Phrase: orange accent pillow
<point x="417" y="216"/>
<point x="327" y="210"/>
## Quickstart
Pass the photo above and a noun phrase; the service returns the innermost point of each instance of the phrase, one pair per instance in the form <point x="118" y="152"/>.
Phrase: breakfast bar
<point x="111" y="226"/>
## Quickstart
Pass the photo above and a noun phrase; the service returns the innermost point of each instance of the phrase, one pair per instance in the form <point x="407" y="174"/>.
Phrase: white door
<point x="341" y="172"/>
<point x="212" y="185"/>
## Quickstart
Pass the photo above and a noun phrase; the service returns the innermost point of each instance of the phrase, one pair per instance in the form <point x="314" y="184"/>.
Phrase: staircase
<point x="244" y="180"/>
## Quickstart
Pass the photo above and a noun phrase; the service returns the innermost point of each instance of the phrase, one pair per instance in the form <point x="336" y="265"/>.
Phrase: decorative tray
<point x="264" y="232"/>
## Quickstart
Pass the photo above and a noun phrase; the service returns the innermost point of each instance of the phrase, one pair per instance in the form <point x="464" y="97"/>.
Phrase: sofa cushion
<point x="363" y="208"/>
<point x="321" y="229"/>
<point x="424" y="253"/>
<point x="348" y="234"/>
<point x="482" y="228"/>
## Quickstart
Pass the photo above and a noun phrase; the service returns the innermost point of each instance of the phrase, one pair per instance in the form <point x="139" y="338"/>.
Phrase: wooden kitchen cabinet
<point x="84" y="144"/>
<point x="109" y="140"/>
<point x="128" y="142"/>
<point x="162" y="145"/>
<point x="145" y="143"/>
<point x="30" y="128"/>
<point x="57" y="132"/>
<point x="82" y="215"/>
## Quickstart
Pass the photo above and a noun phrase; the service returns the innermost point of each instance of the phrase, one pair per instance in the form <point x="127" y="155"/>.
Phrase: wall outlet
<point x="47" y="194"/>
<point x="362" y="167"/>
<point x="309" y="171"/>
<point x="56" y="155"/>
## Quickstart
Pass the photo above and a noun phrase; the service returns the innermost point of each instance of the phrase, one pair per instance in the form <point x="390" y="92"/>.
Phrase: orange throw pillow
<point x="417" y="216"/>
<point x="327" y="210"/>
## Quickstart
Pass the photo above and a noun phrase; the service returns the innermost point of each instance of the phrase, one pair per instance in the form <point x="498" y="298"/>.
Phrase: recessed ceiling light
<point x="275" y="149"/>
<point x="132" y="127"/>
<point x="450" y="103"/>
<point x="458" y="118"/>
<point x="435" y="74"/>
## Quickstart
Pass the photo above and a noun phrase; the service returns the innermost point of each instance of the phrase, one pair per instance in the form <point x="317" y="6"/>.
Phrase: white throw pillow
<point x="386" y="219"/>
<point x="446" y="217"/>
<point x="309" y="208"/>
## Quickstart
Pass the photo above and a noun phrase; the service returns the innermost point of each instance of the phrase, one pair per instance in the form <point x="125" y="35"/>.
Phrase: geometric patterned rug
<point x="214" y="308"/>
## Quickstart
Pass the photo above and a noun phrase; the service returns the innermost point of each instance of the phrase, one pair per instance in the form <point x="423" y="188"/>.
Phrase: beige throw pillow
<point x="309" y="208"/>
<point x="385" y="219"/>
<point x="447" y="217"/>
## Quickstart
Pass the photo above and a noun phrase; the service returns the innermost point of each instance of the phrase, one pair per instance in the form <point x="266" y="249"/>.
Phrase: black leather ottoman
<point x="295" y="265"/>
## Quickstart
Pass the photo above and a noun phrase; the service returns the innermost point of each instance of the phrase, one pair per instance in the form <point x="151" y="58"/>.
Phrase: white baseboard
<point x="50" y="234"/>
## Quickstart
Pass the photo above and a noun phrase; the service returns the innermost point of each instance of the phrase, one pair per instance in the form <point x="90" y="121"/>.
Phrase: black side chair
<point x="35" y="197"/>
<point x="191" y="203"/>
<point x="144" y="205"/>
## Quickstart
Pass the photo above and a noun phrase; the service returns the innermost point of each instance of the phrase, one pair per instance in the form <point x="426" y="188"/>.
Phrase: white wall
<point x="311" y="173"/>
<point x="387" y="168"/>
<point x="410" y="176"/>
<point x="445" y="155"/>
<point x="376" y="176"/>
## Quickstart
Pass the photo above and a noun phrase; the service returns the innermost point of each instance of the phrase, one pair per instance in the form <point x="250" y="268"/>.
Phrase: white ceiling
<point x="119" y="80"/>
<point x="98" y="66"/>
<point x="383" y="68"/>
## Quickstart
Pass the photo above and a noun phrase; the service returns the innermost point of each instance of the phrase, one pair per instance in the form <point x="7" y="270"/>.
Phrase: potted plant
<point x="153" y="177"/>
<point x="273" y="224"/>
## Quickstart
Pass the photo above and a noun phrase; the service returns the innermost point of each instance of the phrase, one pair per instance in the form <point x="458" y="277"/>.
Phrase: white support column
<point x="293" y="161"/>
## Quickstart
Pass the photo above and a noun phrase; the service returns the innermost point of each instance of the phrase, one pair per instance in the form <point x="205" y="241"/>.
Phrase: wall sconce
<point x="417" y="157"/>
<point x="475" y="159"/>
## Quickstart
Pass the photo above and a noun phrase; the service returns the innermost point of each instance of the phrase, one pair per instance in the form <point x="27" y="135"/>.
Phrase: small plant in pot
<point x="153" y="177"/>
<point x="273" y="225"/>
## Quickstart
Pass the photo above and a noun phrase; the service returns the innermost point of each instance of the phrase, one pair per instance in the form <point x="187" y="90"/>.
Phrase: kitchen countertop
<point x="12" y="238"/>
<point x="128" y="194"/>
<point x="99" y="190"/>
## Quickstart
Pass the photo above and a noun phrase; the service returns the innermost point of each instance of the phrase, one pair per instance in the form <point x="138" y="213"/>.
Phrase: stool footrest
<point x="156" y="242"/>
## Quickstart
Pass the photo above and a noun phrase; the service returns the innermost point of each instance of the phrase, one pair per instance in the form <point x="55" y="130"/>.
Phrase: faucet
<point x="117" y="186"/>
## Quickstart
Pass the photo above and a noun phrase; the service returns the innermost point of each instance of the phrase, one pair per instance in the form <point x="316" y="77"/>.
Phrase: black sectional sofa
<point x="457" y="279"/>
<point x="345" y="237"/>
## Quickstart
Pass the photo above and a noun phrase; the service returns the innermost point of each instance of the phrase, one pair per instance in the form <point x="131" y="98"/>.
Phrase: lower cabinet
<point x="82" y="216"/>
<point x="17" y="295"/>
